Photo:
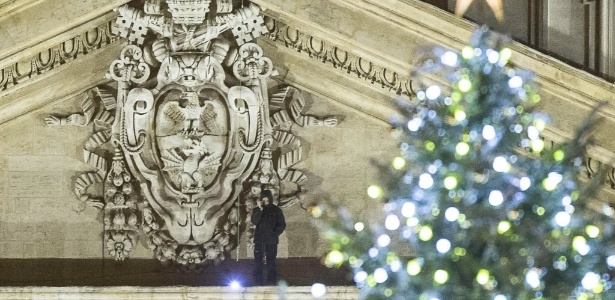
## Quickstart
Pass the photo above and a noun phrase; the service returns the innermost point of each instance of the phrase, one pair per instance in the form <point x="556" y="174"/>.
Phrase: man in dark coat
<point x="269" y="221"/>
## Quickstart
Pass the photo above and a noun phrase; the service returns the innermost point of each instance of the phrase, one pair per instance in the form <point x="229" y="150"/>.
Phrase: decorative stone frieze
<point x="337" y="57"/>
<point x="189" y="139"/>
<point x="60" y="54"/>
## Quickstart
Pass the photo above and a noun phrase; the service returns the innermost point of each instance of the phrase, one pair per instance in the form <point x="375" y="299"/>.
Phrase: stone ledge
<point x="171" y="293"/>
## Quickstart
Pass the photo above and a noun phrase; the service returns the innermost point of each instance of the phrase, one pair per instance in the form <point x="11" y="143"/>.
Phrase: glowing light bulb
<point x="562" y="219"/>
<point x="503" y="227"/>
<point x="450" y="182"/>
<point x="373" y="252"/>
<point x="380" y="275"/>
<point x="590" y="280"/>
<point x="505" y="55"/>
<point x="413" y="268"/>
<point x="533" y="133"/>
<point x="449" y="58"/>
<point x="537" y="145"/>
<point x="592" y="231"/>
<point x="392" y="222"/>
<point x="440" y="276"/>
<point x="532" y="278"/>
<point x="467" y="52"/>
<point x="552" y="180"/>
<point x="318" y="290"/>
<point x="460" y="115"/>
<point x="611" y="261"/>
<point x="540" y="124"/>
<point x="429" y="146"/>
<point x="489" y="132"/>
<point x="425" y="181"/>
<point x="395" y="265"/>
<point x="359" y="226"/>
<point x="501" y="165"/>
<point x="496" y="198"/>
<point x="525" y="183"/>
<point x="360" y="276"/>
<point x="425" y="233"/>
<point x="408" y="210"/>
<point x="335" y="257"/>
<point x="374" y="191"/>
<point x="559" y="155"/>
<point x="415" y="124"/>
<point x="383" y="240"/>
<point x="515" y="82"/>
<point x="316" y="211"/>
<point x="433" y="92"/>
<point x="464" y="85"/>
<point x="451" y="214"/>
<point x="235" y="285"/>
<point x="398" y="163"/>
<point x="492" y="56"/>
<point x="462" y="149"/>
<point x="483" y="276"/>
<point x="443" y="245"/>
<point x="579" y="244"/>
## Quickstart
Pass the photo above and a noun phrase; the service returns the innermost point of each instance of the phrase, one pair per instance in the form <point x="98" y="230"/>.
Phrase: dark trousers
<point x="269" y="252"/>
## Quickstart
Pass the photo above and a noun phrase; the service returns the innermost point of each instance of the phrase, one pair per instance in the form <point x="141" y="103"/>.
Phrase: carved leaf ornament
<point x="192" y="130"/>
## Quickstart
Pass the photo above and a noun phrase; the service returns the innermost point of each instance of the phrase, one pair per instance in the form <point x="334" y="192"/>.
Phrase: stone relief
<point x="189" y="138"/>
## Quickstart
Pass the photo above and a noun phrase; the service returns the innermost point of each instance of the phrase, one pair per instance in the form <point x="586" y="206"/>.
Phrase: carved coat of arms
<point x="194" y="133"/>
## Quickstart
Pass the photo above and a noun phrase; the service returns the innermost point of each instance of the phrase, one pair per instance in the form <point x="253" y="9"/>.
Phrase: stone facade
<point x="348" y="59"/>
<point x="42" y="217"/>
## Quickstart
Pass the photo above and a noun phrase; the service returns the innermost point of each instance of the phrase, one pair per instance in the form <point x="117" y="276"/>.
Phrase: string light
<point x="451" y="214"/>
<point x="449" y="58"/>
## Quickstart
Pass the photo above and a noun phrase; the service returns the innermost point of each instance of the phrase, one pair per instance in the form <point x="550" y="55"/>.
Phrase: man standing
<point x="270" y="223"/>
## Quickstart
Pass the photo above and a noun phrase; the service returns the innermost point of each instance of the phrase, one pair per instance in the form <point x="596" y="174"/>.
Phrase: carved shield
<point x="202" y="145"/>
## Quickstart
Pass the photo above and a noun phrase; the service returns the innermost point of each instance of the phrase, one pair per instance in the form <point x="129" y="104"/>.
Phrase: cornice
<point x="10" y="7"/>
<point x="31" y="27"/>
<point x="340" y="58"/>
<point x="63" y="49"/>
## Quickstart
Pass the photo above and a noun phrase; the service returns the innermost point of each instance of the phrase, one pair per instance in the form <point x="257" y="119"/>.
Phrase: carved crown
<point x="188" y="11"/>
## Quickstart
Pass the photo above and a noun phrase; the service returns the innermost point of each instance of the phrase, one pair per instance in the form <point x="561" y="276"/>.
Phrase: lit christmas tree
<point x="486" y="209"/>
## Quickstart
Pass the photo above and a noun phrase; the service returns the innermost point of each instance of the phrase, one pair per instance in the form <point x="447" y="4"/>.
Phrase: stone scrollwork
<point x="251" y="64"/>
<point x="130" y="67"/>
<point x="187" y="141"/>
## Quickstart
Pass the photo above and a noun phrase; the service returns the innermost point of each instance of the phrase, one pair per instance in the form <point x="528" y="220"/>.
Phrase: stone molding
<point x="10" y="7"/>
<point x="339" y="58"/>
<point x="85" y="42"/>
<point x="172" y="293"/>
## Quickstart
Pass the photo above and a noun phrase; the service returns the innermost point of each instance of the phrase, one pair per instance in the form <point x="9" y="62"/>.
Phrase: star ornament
<point x="496" y="5"/>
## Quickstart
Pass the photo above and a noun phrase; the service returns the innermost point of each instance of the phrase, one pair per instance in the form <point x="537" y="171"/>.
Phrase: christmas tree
<point x="486" y="209"/>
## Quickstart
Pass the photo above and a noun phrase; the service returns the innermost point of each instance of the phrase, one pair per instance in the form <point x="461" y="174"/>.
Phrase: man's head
<point x="266" y="197"/>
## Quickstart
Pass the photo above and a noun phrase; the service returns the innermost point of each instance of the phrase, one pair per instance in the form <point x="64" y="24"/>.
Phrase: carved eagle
<point x="193" y="118"/>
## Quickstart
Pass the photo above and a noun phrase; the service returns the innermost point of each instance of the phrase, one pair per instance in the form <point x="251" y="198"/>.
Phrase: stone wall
<point x="40" y="216"/>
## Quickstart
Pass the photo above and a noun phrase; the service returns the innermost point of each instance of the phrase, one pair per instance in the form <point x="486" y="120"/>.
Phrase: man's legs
<point x="258" y="261"/>
<point x="271" y="253"/>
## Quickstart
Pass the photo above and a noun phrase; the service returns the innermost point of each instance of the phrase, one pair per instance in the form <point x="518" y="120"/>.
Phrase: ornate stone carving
<point x="195" y="144"/>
